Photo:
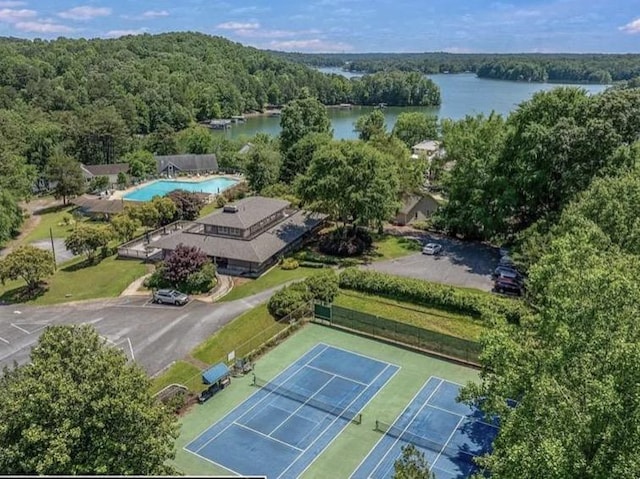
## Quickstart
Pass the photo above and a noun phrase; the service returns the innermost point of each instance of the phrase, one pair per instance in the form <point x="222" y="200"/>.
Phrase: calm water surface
<point x="462" y="94"/>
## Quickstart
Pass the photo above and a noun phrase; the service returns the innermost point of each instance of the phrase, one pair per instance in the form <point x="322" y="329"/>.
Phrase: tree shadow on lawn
<point x="51" y="209"/>
<point x="86" y="263"/>
<point x="22" y="294"/>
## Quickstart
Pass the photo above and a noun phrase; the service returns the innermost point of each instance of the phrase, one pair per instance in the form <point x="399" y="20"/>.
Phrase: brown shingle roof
<point x="187" y="162"/>
<point x="106" y="170"/>
<point x="250" y="211"/>
<point x="258" y="250"/>
<point x="96" y="205"/>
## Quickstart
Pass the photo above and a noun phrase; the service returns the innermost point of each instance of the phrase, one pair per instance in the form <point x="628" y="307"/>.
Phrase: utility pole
<point x="53" y="250"/>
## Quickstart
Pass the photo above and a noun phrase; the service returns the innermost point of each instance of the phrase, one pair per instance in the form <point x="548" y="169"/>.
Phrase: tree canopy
<point x="532" y="67"/>
<point x="301" y="117"/>
<point x="79" y="408"/>
<point x="351" y="181"/>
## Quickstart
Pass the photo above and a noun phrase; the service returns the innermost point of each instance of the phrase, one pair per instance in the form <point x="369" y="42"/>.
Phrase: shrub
<point x="220" y="201"/>
<point x="288" y="299"/>
<point x="182" y="262"/>
<point x="316" y="258"/>
<point x="423" y="225"/>
<point x="157" y="280"/>
<point x="187" y="269"/>
<point x="424" y="293"/>
<point x="323" y="286"/>
<point x="289" y="263"/>
<point x="347" y="262"/>
<point x="311" y="264"/>
<point x="201" y="281"/>
<point x="346" y="242"/>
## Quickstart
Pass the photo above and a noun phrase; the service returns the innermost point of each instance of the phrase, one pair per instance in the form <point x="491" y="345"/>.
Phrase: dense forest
<point x="101" y="101"/>
<point x="535" y="67"/>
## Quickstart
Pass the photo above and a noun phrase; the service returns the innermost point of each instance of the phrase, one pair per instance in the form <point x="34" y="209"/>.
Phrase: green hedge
<point x="312" y="257"/>
<point x="449" y="298"/>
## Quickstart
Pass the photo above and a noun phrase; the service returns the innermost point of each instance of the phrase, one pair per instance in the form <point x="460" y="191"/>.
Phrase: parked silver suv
<point x="170" y="296"/>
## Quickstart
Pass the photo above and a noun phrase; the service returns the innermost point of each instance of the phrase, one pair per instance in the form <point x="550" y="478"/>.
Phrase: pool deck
<point x="120" y="194"/>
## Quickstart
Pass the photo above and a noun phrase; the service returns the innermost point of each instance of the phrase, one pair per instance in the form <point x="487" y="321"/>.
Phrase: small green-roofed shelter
<point x="215" y="373"/>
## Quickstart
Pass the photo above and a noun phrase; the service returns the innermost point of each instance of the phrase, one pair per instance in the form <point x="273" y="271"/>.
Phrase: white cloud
<point x="313" y="45"/>
<point x="124" y="33"/>
<point x="632" y="27"/>
<point x="8" y="15"/>
<point x="155" y="13"/>
<point x="238" y="26"/>
<point x="10" y="4"/>
<point x="43" y="27"/>
<point x="85" y="13"/>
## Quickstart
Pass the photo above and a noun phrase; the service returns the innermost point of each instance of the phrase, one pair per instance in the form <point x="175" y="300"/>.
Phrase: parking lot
<point x="152" y="335"/>
<point x="459" y="264"/>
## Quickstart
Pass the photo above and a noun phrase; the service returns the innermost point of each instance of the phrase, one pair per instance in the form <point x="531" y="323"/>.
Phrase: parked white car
<point x="432" y="249"/>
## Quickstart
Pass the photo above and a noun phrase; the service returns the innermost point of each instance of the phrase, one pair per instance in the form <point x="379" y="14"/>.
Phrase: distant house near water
<point x="248" y="236"/>
<point x="416" y="207"/>
<point x="428" y="149"/>
<point x="172" y="165"/>
<point x="111" y="171"/>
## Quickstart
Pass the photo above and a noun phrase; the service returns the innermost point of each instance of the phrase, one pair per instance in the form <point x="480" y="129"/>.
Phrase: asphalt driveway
<point x="459" y="264"/>
<point x="153" y="335"/>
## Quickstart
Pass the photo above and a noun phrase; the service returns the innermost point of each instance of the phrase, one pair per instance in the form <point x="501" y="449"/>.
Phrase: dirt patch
<point x="241" y="281"/>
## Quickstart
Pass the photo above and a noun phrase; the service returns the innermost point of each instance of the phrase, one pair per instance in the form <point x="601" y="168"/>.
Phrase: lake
<point x="462" y="94"/>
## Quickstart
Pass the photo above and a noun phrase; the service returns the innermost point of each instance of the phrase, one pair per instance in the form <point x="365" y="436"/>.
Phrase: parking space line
<point x="4" y="340"/>
<point x="21" y="329"/>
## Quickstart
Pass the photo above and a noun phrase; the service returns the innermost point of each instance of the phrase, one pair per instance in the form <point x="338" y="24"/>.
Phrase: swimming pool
<point x="162" y="187"/>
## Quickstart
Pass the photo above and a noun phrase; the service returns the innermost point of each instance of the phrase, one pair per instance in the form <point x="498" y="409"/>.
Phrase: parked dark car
<point x="506" y="272"/>
<point x="170" y="296"/>
<point x="507" y="286"/>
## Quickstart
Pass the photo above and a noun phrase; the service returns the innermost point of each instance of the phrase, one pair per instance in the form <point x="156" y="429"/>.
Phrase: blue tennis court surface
<point x="283" y="427"/>
<point x="448" y="433"/>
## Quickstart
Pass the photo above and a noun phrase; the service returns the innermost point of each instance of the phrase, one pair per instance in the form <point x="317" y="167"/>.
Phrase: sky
<point x="457" y="26"/>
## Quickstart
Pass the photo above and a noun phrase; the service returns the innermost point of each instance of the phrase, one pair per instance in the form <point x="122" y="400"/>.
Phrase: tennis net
<point x="333" y="409"/>
<point x="423" y="442"/>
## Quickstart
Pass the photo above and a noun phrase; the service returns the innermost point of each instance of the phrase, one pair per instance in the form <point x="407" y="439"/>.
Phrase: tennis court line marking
<point x="361" y="355"/>
<point x="267" y="436"/>
<point x="339" y="432"/>
<point x="293" y="366"/>
<point x="303" y="405"/>
<point x="215" y="463"/>
<point x="406" y="428"/>
<point x="447" y="381"/>
<point x="396" y="420"/>
<point x="337" y="375"/>
<point x="446" y="443"/>
<point x="463" y="416"/>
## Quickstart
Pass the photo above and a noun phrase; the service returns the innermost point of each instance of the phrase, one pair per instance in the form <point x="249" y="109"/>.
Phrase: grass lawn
<point x="436" y="320"/>
<point x="208" y="209"/>
<point x="180" y="372"/>
<point x="51" y="218"/>
<point x="73" y="281"/>
<point x="390" y="247"/>
<point x="275" y="277"/>
<point x="242" y="335"/>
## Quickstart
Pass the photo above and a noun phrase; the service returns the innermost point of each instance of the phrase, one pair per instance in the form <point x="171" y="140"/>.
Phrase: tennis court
<point x="448" y="433"/>
<point x="283" y="427"/>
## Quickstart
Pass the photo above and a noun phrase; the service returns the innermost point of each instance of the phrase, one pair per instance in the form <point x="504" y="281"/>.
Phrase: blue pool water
<point x="162" y="187"/>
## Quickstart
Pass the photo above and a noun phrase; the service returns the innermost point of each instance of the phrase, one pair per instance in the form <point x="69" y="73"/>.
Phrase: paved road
<point x="153" y="335"/>
<point x="62" y="253"/>
<point x="459" y="264"/>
